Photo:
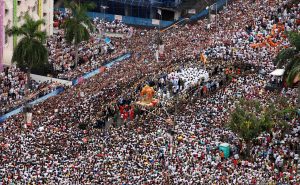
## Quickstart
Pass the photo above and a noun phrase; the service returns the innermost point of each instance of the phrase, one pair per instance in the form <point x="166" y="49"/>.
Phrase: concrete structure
<point x="14" y="11"/>
<point x="2" y="12"/>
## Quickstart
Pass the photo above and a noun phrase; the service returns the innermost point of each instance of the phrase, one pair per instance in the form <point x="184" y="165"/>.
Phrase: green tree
<point x="78" y="26"/>
<point x="249" y="120"/>
<point x="289" y="58"/>
<point x="30" y="52"/>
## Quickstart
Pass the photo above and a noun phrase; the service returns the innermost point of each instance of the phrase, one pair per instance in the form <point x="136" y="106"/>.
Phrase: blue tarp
<point x="107" y="40"/>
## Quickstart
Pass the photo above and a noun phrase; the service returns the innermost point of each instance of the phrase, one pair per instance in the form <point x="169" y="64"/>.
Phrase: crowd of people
<point x="147" y="149"/>
<point x="13" y="91"/>
<point x="92" y="54"/>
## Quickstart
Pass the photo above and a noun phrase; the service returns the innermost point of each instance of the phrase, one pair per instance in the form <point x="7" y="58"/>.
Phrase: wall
<point x="40" y="78"/>
<point x="2" y="13"/>
<point x="131" y="20"/>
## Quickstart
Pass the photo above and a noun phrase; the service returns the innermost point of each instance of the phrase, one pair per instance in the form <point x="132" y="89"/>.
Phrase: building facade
<point x="12" y="13"/>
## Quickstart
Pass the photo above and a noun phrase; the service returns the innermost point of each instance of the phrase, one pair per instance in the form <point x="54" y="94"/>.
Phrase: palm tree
<point x="30" y="52"/>
<point x="78" y="25"/>
<point x="290" y="59"/>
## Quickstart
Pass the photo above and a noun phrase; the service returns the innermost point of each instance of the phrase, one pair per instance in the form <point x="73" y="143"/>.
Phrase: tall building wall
<point x="2" y="12"/>
<point x="14" y="11"/>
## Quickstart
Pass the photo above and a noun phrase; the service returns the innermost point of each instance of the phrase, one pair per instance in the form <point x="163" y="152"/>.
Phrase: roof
<point x="277" y="72"/>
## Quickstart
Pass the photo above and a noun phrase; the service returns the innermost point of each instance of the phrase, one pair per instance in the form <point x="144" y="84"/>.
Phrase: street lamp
<point x="209" y="17"/>
<point x="104" y="8"/>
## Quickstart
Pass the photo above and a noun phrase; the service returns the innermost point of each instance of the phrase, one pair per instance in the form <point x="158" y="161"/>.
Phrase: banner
<point x="118" y="17"/>
<point x="155" y="22"/>
<point x="28" y="118"/>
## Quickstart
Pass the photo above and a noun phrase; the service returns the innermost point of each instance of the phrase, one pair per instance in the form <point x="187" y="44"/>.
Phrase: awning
<point x="8" y="5"/>
<point x="277" y="72"/>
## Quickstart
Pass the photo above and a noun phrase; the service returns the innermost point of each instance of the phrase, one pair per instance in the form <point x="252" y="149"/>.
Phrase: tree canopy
<point x="30" y="52"/>
<point x="289" y="58"/>
<point x="78" y="26"/>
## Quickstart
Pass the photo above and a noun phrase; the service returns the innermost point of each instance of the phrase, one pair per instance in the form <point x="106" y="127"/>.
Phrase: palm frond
<point x="283" y="57"/>
<point x="77" y="26"/>
<point x="294" y="38"/>
<point x="294" y="72"/>
<point x="30" y="51"/>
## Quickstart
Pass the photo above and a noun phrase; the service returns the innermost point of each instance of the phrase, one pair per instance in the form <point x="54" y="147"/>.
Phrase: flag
<point x="80" y="80"/>
<point x="159" y="11"/>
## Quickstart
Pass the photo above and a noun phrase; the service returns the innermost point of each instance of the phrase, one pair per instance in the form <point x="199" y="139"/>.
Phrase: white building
<point x="14" y="11"/>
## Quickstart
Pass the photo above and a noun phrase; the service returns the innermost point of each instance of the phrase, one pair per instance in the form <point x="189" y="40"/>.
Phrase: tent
<point x="277" y="72"/>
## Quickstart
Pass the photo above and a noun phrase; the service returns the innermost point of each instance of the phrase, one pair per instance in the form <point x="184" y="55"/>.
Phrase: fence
<point x="20" y="109"/>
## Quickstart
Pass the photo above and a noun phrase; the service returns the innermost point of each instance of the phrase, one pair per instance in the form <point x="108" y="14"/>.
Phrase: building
<point x="12" y="13"/>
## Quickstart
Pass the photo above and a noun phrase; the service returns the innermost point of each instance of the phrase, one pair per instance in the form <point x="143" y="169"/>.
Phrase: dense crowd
<point x="92" y="54"/>
<point x="143" y="150"/>
<point x="13" y="91"/>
